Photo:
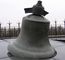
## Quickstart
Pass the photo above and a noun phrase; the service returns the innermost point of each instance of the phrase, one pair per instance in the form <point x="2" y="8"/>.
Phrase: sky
<point x="13" y="11"/>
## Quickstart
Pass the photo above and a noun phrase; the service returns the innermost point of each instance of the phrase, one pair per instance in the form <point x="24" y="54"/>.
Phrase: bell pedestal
<point x="33" y="41"/>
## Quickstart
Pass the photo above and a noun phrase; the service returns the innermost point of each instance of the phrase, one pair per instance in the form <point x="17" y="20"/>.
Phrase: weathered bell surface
<point x="33" y="41"/>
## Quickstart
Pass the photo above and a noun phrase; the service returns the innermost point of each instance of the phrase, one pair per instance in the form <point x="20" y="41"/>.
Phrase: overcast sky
<point x="13" y="10"/>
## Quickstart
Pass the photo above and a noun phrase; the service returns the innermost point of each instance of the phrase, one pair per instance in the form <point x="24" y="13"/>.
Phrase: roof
<point x="58" y="45"/>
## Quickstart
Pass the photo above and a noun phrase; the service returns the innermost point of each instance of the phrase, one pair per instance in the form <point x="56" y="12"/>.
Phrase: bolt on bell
<point x="33" y="41"/>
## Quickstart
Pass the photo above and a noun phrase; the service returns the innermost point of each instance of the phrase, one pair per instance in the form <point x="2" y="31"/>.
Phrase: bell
<point x="33" y="41"/>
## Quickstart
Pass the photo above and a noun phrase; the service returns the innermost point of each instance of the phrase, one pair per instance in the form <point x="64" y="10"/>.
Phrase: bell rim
<point x="10" y="55"/>
<point x="17" y="54"/>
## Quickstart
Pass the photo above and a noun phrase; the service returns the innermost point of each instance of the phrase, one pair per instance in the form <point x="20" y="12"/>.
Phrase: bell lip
<point x="25" y="55"/>
<point x="11" y="55"/>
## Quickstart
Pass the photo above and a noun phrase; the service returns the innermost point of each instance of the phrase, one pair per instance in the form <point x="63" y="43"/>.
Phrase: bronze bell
<point x="33" y="41"/>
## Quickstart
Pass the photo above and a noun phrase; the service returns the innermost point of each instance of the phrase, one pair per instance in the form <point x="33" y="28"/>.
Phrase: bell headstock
<point x="37" y="9"/>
